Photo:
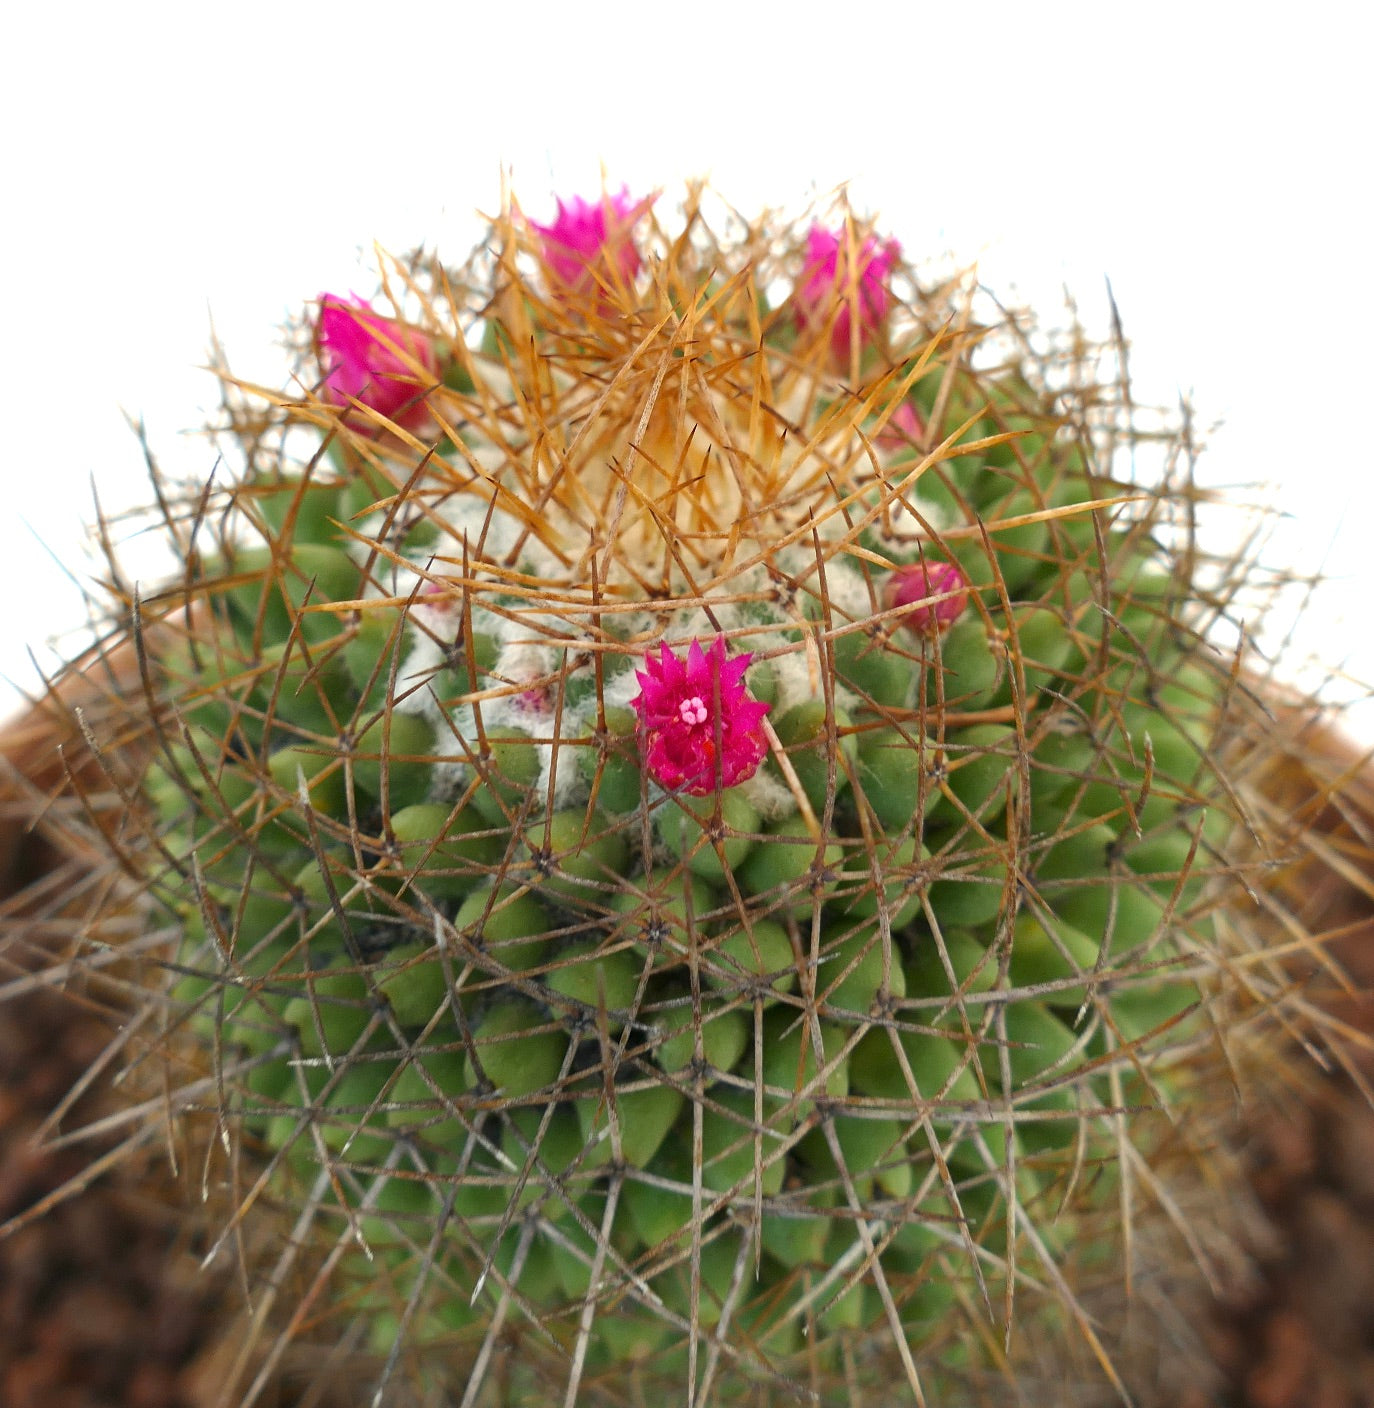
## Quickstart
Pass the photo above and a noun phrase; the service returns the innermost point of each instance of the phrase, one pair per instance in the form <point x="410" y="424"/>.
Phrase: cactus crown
<point x="693" y="817"/>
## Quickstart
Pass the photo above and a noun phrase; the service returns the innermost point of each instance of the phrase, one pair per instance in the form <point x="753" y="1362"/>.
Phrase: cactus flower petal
<point x="903" y="430"/>
<point x="698" y="729"/>
<point x="586" y="233"/>
<point x="920" y="582"/>
<point x="832" y="288"/>
<point x="374" y="361"/>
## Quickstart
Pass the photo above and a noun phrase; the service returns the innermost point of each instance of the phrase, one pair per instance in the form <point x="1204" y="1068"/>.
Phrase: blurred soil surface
<point x="1304" y="1336"/>
<point x="102" y="1300"/>
<point x="101" y="1303"/>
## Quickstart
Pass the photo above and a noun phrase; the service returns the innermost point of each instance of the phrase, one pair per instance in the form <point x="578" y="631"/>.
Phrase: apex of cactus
<point x="698" y="729"/>
<point x="372" y="361"/>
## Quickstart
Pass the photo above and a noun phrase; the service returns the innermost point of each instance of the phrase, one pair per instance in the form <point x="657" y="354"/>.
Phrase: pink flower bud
<point x="832" y="288"/>
<point x="698" y="729"/>
<point x="903" y="430"/>
<point x="374" y="361"/>
<point x="588" y="234"/>
<point x="919" y="583"/>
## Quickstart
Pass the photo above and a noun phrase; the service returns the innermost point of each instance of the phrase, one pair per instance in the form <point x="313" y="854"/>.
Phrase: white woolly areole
<point x="781" y="634"/>
<point x="769" y="795"/>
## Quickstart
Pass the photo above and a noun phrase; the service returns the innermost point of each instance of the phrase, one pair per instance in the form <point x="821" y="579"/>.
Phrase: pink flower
<point x="904" y="429"/>
<point x="921" y="581"/>
<point x="374" y="361"/>
<point x="698" y="729"/>
<point x="591" y="233"/>
<point x="831" y="291"/>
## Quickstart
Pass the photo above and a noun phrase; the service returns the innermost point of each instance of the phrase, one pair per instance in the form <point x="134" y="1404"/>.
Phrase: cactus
<point x="695" y="817"/>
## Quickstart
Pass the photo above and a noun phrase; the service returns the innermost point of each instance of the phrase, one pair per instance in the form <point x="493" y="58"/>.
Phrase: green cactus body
<point x="530" y="994"/>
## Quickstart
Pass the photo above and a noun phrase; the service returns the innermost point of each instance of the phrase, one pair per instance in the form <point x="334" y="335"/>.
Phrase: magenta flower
<point x="831" y="290"/>
<point x="698" y="729"/>
<point x="591" y="233"/>
<point x="374" y="361"/>
<point x="921" y="581"/>
<point x="904" y="429"/>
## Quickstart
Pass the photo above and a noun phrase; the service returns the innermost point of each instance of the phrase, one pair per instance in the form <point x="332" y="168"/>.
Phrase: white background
<point x="169" y="167"/>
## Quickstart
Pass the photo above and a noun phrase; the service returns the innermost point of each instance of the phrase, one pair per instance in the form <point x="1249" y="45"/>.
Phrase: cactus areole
<point x="691" y="816"/>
